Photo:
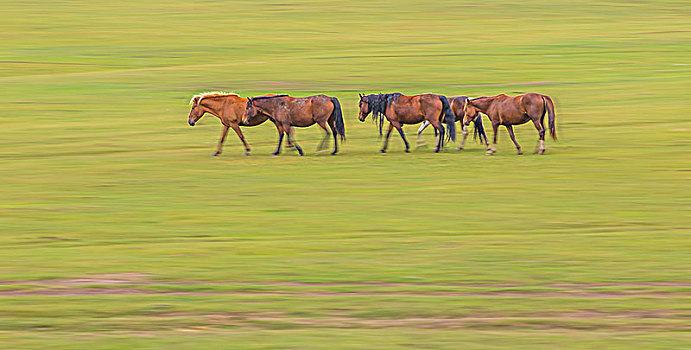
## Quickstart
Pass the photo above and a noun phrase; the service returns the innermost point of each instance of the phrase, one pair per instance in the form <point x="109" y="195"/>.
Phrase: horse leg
<point x="541" y="133"/>
<point x="421" y="140"/>
<point x="440" y="132"/>
<point x="486" y="143"/>
<point x="333" y="132"/>
<point x="291" y="139"/>
<point x="224" y="133"/>
<point x="465" y="135"/>
<point x="509" y="128"/>
<point x="493" y="149"/>
<point x="323" y="142"/>
<point x="280" y="140"/>
<point x="398" y="127"/>
<point x="237" y="130"/>
<point x="386" y="140"/>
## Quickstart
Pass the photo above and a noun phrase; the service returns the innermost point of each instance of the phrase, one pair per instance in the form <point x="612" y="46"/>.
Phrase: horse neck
<point x="214" y="106"/>
<point x="484" y="104"/>
<point x="267" y="106"/>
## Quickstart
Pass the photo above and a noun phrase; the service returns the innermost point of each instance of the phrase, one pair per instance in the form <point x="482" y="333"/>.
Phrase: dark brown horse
<point x="399" y="110"/>
<point x="458" y="108"/>
<point x="509" y="111"/>
<point x="287" y="111"/>
<point x="228" y="108"/>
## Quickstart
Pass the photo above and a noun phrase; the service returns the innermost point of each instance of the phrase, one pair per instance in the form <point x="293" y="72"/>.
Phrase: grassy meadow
<point x="118" y="229"/>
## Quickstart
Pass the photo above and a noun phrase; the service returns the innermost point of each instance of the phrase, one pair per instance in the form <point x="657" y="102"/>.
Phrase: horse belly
<point x="300" y="118"/>
<point x="408" y="119"/>
<point x="407" y="115"/>
<point x="301" y="123"/>
<point x="255" y="121"/>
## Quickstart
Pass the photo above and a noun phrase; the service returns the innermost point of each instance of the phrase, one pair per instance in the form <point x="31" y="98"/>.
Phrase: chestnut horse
<point x="227" y="107"/>
<point x="287" y="111"/>
<point x="458" y="106"/>
<point x="400" y="109"/>
<point x="508" y="111"/>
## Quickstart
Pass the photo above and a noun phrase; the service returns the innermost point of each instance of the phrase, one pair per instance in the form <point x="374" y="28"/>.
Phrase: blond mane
<point x="198" y="98"/>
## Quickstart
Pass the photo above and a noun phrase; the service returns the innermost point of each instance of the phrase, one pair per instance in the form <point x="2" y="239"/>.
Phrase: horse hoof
<point x="459" y="149"/>
<point x="382" y="151"/>
<point x="407" y="151"/>
<point x="274" y="154"/>
<point x="216" y="154"/>
<point x="489" y="153"/>
<point x="333" y="153"/>
<point x="519" y="153"/>
<point x="246" y="153"/>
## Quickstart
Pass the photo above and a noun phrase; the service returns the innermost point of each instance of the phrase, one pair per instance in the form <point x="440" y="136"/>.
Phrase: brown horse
<point x="227" y="107"/>
<point x="399" y="110"/>
<point x="287" y="111"/>
<point x="458" y="108"/>
<point x="517" y="110"/>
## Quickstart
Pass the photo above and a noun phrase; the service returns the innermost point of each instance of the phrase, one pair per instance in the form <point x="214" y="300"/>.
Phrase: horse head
<point x="365" y="107"/>
<point x="196" y="111"/>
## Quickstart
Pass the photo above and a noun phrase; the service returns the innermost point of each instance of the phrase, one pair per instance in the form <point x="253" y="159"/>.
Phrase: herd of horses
<point x="287" y="112"/>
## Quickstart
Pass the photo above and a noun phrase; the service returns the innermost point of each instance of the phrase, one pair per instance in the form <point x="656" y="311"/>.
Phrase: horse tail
<point x="449" y="118"/>
<point x="549" y="106"/>
<point x="479" y="129"/>
<point x="337" y="115"/>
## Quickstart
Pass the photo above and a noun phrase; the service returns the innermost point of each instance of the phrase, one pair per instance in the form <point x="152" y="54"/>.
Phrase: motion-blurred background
<point x="119" y="230"/>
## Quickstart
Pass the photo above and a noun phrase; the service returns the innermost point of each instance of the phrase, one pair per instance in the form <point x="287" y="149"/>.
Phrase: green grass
<point x="103" y="180"/>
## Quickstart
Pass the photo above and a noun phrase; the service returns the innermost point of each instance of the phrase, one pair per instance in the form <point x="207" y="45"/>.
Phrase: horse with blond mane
<point x="509" y="111"/>
<point x="227" y="107"/>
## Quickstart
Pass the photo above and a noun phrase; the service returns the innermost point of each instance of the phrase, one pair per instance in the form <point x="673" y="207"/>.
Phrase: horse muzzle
<point x="362" y="119"/>
<point x="192" y="123"/>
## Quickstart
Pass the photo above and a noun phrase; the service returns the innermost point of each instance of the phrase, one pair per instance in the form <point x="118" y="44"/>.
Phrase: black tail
<point x="479" y="128"/>
<point x="337" y="115"/>
<point x="449" y="118"/>
<point x="549" y="106"/>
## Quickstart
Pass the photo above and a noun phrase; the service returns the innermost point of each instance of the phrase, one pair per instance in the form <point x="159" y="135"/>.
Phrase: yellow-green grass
<point x="118" y="229"/>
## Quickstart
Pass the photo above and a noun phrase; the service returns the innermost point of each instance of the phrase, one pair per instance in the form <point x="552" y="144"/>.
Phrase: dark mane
<point x="252" y="99"/>
<point x="265" y="97"/>
<point x="378" y="104"/>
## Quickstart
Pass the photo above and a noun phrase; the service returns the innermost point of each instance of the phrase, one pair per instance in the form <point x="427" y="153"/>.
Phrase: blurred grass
<point x="101" y="175"/>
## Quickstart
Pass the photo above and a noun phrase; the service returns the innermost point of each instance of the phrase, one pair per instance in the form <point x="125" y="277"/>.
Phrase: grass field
<point x="119" y="230"/>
